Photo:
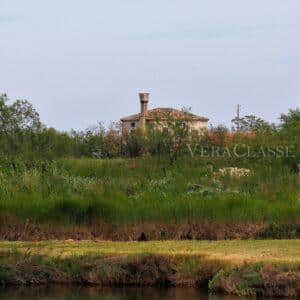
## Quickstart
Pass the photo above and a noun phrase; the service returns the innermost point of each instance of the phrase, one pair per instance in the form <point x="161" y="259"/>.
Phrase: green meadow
<point x="130" y="191"/>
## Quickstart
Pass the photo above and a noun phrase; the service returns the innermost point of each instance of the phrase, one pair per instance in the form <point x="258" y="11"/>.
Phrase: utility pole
<point x="238" y="119"/>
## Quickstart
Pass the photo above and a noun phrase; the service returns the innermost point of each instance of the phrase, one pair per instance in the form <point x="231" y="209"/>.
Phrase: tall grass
<point x="141" y="190"/>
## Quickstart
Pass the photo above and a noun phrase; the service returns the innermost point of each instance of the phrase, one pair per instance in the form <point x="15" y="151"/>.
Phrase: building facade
<point x="160" y="115"/>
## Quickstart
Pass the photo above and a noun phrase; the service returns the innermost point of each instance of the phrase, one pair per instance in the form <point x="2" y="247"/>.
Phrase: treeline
<point x="24" y="136"/>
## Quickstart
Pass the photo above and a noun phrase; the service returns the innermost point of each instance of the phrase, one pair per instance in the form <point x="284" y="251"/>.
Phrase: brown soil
<point x="14" y="230"/>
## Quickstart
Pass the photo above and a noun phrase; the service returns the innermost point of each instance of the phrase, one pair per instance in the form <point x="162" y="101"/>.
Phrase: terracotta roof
<point x="163" y="113"/>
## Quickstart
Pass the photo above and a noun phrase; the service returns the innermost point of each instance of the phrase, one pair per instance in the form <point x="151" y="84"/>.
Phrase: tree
<point x="112" y="141"/>
<point x="20" y="115"/>
<point x="252" y="123"/>
<point x="218" y="136"/>
<point x="291" y="120"/>
<point x="18" y="123"/>
<point x="171" y="134"/>
<point x="290" y="133"/>
<point x="134" y="143"/>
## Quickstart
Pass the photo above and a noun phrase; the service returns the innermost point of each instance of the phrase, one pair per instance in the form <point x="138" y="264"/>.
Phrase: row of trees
<point x="22" y="134"/>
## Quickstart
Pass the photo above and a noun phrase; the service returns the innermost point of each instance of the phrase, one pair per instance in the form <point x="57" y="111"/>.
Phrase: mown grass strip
<point x="272" y="251"/>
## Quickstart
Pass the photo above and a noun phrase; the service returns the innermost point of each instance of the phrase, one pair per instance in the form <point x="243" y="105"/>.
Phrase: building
<point x="160" y="114"/>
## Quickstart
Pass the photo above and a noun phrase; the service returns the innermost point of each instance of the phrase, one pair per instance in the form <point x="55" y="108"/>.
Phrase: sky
<point x="81" y="62"/>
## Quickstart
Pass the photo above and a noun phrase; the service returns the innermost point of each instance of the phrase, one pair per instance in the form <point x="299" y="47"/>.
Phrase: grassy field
<point x="131" y="191"/>
<point x="233" y="252"/>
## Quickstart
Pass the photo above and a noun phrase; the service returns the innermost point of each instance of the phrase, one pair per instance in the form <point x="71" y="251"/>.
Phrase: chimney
<point x="144" y="99"/>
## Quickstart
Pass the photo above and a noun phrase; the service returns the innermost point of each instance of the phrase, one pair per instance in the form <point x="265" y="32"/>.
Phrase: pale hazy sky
<point x="80" y="62"/>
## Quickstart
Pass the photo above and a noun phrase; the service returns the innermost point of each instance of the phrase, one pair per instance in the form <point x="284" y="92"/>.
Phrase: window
<point x="132" y="124"/>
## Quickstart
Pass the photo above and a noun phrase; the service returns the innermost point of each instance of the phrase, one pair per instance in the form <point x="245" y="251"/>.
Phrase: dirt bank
<point x="152" y="270"/>
<point x="13" y="229"/>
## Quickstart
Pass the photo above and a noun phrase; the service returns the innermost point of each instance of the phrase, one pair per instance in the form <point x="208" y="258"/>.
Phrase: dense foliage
<point x="23" y="136"/>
